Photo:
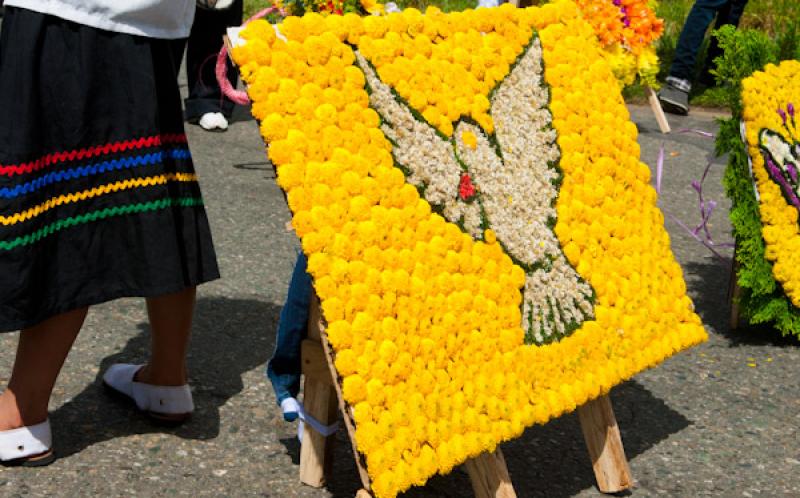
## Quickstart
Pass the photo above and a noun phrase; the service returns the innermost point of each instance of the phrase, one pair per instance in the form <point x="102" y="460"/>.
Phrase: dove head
<point x="782" y="160"/>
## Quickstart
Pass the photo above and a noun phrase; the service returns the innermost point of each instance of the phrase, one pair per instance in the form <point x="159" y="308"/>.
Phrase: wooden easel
<point x="488" y="472"/>
<point x="655" y="105"/>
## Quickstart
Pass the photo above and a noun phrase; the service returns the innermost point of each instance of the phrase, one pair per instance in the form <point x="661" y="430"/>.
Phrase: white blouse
<point x="167" y="19"/>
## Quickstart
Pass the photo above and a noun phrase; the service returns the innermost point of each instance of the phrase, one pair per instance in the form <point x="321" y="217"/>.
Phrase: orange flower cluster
<point x="630" y="23"/>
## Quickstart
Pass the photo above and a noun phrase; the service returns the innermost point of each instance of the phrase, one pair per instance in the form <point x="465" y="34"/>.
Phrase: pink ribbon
<point x="221" y="70"/>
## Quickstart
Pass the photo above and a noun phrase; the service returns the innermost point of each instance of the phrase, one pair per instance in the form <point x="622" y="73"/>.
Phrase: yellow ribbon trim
<point x="97" y="191"/>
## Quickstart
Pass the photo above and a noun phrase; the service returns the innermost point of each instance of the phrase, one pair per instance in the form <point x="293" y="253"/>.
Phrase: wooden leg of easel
<point x="489" y="476"/>
<point x="655" y="105"/>
<point x="734" y="291"/>
<point x="605" y="446"/>
<point x="321" y="382"/>
<point x="319" y="400"/>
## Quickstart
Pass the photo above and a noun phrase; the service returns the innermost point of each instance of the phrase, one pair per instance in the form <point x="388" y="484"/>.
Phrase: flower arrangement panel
<point x="480" y="229"/>
<point x="767" y="198"/>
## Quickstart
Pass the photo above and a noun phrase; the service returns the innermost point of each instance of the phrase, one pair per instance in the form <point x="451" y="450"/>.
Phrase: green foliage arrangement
<point x="762" y="299"/>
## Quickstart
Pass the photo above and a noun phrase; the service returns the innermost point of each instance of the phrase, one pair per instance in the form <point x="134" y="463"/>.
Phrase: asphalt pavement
<point x="704" y="423"/>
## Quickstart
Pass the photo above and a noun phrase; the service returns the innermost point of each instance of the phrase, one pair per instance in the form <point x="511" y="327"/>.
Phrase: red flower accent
<point x="466" y="190"/>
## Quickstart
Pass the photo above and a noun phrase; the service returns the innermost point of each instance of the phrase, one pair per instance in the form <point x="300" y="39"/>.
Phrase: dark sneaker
<point x="674" y="100"/>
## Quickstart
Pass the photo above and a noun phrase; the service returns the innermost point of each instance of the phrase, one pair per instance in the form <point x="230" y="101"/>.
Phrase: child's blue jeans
<point x="283" y="369"/>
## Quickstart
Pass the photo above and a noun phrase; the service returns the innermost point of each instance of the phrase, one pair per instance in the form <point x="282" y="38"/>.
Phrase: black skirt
<point x="98" y="195"/>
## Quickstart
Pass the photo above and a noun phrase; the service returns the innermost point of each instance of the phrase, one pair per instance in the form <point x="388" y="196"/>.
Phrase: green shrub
<point x="744" y="51"/>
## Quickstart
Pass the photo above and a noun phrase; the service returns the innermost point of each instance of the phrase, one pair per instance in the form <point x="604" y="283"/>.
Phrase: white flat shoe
<point x="27" y="446"/>
<point x="165" y="404"/>
<point x="214" y="4"/>
<point x="213" y="121"/>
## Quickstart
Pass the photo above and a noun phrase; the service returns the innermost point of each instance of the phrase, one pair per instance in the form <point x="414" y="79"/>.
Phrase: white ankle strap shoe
<point x="165" y="403"/>
<point x="28" y="446"/>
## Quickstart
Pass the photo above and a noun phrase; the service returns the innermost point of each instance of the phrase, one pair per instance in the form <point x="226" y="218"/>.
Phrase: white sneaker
<point x="213" y="121"/>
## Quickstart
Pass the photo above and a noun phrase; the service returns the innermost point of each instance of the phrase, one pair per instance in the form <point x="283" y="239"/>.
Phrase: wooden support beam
<point x="315" y="316"/>
<point x="489" y="476"/>
<point x="314" y="362"/>
<point x="655" y="105"/>
<point x="605" y="446"/>
<point x="321" y="402"/>
<point x="734" y="292"/>
<point x="316" y="450"/>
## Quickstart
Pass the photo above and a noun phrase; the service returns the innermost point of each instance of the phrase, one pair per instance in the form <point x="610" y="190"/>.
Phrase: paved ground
<point x="702" y="424"/>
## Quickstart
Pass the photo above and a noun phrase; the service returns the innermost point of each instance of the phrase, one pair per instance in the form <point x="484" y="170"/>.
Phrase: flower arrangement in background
<point x="762" y="179"/>
<point x="429" y="185"/>
<point x="335" y="7"/>
<point x="627" y="30"/>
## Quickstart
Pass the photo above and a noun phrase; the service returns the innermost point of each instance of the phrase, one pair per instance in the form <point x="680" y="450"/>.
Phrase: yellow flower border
<point x="424" y="320"/>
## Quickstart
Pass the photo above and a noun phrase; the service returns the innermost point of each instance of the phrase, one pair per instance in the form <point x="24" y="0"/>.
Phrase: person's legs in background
<point x="674" y="96"/>
<point x="284" y="368"/>
<point x="730" y="14"/>
<point x="206" y="105"/>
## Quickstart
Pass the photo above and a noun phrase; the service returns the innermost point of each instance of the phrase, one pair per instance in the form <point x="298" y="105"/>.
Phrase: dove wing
<point x="518" y="195"/>
<point x="518" y="190"/>
<point x="428" y="158"/>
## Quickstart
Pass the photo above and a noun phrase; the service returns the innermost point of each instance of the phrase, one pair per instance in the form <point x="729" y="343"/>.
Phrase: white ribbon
<point x="391" y="7"/>
<point x="291" y="405"/>
<point x="743" y="131"/>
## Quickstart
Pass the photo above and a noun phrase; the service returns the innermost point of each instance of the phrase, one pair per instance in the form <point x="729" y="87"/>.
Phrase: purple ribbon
<point x="659" y="168"/>
<point x="696" y="131"/>
<point x="706" y="206"/>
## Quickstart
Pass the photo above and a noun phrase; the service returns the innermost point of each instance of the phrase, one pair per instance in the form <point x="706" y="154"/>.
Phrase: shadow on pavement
<point x="547" y="461"/>
<point x="230" y="337"/>
<point x="708" y="284"/>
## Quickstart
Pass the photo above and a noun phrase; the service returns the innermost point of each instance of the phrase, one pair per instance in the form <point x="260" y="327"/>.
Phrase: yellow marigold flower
<point x="340" y="334"/>
<point x="375" y="392"/>
<point x="326" y="113"/>
<point x="354" y="389"/>
<point x="469" y="139"/>
<point x="346" y="362"/>
<point x="370" y="440"/>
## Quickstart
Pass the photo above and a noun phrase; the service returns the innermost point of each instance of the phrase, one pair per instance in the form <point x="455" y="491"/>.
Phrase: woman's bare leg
<point x="171" y="325"/>
<point x="41" y="352"/>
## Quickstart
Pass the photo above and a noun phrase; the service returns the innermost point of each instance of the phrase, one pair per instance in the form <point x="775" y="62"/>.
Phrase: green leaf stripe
<point x="7" y="245"/>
